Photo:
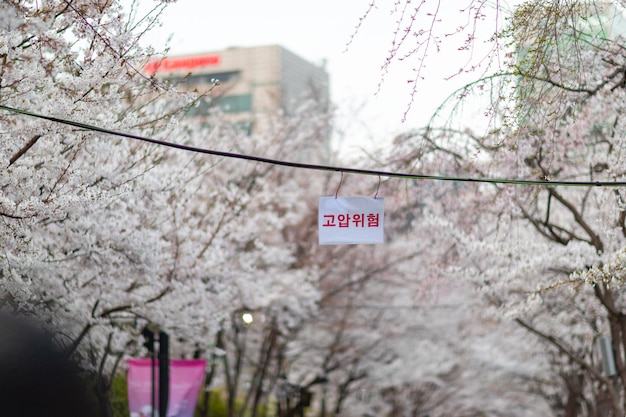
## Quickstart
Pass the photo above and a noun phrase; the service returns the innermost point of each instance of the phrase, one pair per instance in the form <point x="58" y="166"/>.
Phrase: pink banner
<point x="186" y="377"/>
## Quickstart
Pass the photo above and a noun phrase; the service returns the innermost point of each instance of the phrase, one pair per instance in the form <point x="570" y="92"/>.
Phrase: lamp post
<point x="164" y="369"/>
<point x="149" y="344"/>
<point x="164" y="373"/>
<point x="607" y="355"/>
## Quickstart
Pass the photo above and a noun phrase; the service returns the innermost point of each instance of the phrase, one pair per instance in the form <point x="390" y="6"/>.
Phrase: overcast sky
<point x="320" y="31"/>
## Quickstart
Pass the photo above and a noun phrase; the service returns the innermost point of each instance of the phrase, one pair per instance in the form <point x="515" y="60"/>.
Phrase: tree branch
<point x="578" y="360"/>
<point x="24" y="149"/>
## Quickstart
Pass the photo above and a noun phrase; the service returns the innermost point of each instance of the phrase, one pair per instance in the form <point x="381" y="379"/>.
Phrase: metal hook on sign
<point x="377" y="187"/>
<point x="339" y="186"/>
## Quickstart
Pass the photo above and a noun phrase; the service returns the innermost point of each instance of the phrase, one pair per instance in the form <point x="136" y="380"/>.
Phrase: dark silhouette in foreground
<point x="37" y="379"/>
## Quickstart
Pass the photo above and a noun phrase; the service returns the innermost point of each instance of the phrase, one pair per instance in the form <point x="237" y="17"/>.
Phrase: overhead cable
<point x="317" y="167"/>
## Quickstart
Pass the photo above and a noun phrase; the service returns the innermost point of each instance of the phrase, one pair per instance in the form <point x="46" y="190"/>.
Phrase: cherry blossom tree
<point x="394" y="333"/>
<point x="429" y="42"/>
<point x="103" y="235"/>
<point x="545" y="255"/>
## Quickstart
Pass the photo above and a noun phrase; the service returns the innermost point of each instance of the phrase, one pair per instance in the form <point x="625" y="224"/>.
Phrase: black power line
<point x="317" y="167"/>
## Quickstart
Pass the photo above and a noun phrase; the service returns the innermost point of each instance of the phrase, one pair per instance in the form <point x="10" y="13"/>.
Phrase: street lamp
<point x="247" y="318"/>
<point x="164" y="368"/>
<point x="149" y="344"/>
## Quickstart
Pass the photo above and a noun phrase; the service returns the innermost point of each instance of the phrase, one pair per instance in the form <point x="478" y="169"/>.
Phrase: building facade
<point x="248" y="83"/>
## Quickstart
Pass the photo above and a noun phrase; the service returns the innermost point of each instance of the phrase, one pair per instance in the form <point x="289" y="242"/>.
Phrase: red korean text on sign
<point x="356" y="220"/>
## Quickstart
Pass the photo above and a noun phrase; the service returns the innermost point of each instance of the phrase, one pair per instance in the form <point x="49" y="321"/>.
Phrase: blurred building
<point x="252" y="82"/>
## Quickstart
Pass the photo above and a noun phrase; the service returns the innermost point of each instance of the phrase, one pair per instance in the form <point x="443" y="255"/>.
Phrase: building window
<point x="192" y="80"/>
<point x="234" y="104"/>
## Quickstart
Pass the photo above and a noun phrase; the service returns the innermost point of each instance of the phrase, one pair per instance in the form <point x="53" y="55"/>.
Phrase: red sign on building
<point x="182" y="63"/>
